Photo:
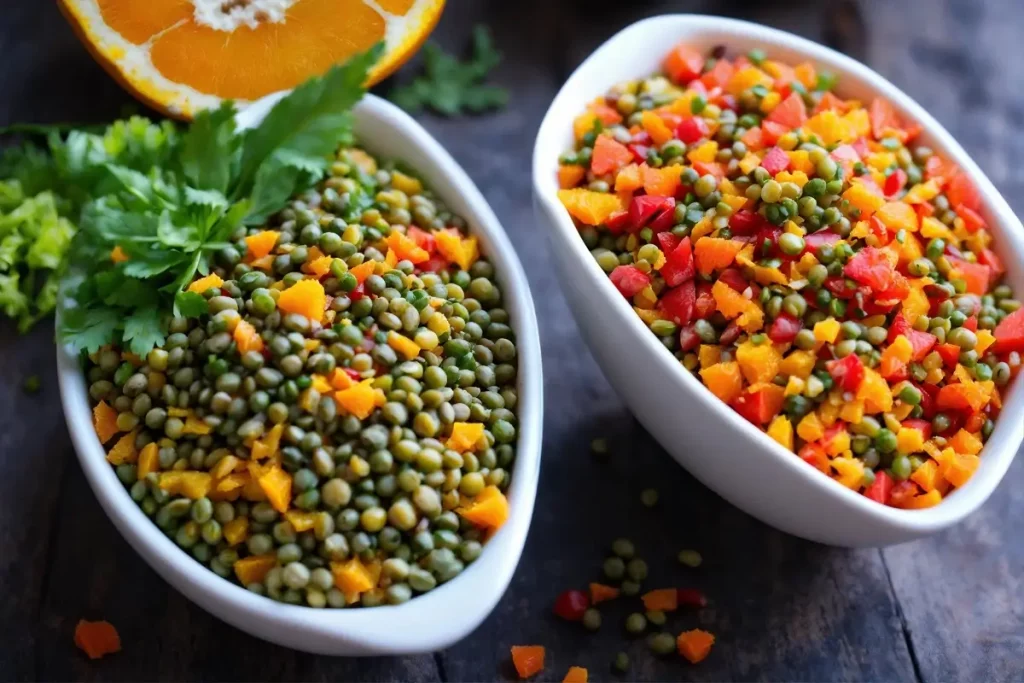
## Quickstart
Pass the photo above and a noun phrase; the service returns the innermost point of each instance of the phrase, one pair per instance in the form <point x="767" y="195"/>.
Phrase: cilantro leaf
<point x="209" y="149"/>
<point x="450" y="87"/>
<point x="144" y="329"/>
<point x="276" y="181"/>
<point x="309" y="121"/>
<point x="89" y="329"/>
<point x="190" y="305"/>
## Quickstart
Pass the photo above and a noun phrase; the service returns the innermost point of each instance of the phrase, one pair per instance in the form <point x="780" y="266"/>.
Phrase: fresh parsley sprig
<point x="170" y="216"/>
<point x="449" y="86"/>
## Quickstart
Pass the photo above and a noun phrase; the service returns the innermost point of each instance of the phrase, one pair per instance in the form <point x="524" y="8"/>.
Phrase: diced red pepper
<point x="816" y="240"/>
<point x="719" y="75"/>
<point x="815" y="456"/>
<point x="691" y="597"/>
<point x="847" y="372"/>
<point x="730" y="334"/>
<point x="939" y="169"/>
<point x="901" y="492"/>
<point x="618" y="222"/>
<point x="975" y="421"/>
<point x="688" y="338"/>
<point x="629" y="280"/>
<point x="705" y="305"/>
<point x="923" y="426"/>
<point x="745" y="222"/>
<point x="734" y="278"/>
<point x="860" y="146"/>
<point x="883" y="118"/>
<point x="771" y="132"/>
<point x="972" y="219"/>
<point x="423" y="239"/>
<point x="709" y="168"/>
<point x="693" y="128"/>
<point x="881" y="488"/>
<point x="976" y="275"/>
<point x="667" y="242"/>
<point x="929" y="392"/>
<point x="784" y="329"/>
<point x="971" y="323"/>
<point x="791" y="112"/>
<point x="840" y="287"/>
<point x="775" y="161"/>
<point x="639" y="152"/>
<point x="679" y="265"/>
<point x="683" y="64"/>
<point x="950" y="354"/>
<point x="895" y="182"/>
<point x="571" y="604"/>
<point x="758" y="407"/>
<point x="922" y="342"/>
<point x="1009" y="333"/>
<point x="664" y="220"/>
<point x="643" y="208"/>
<point x="871" y="267"/>
<point x="992" y="260"/>
<point x="609" y="155"/>
<point x="878" y="229"/>
<point x="961" y="192"/>
<point x="677" y="303"/>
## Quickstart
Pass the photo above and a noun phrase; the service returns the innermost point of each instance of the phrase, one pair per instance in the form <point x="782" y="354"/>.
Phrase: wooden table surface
<point x="946" y="608"/>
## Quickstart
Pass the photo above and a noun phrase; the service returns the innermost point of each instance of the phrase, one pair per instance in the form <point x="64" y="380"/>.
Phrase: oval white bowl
<point x="431" y="621"/>
<point x="708" y="438"/>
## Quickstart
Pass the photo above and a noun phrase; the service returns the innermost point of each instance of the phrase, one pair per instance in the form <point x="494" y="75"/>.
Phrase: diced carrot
<point x="97" y="638"/>
<point x="661" y="600"/>
<point x="570" y="175"/>
<point x="305" y="297"/>
<point x="488" y="510"/>
<point x="261" y="244"/>
<point x="528" y="659"/>
<point x="254" y="568"/>
<point x="600" y="592"/>
<point x="104" y="421"/>
<point x="695" y="645"/>
<point x="247" y="338"/>
<point x="715" y="253"/>
<point x="576" y="674"/>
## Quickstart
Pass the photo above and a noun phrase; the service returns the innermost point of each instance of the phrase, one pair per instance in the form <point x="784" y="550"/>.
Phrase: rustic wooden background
<point x="946" y="608"/>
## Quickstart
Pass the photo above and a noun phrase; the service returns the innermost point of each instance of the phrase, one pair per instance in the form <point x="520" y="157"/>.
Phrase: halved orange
<point x="182" y="56"/>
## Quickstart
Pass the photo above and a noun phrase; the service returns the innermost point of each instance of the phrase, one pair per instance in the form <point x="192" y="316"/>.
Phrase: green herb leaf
<point x="190" y="305"/>
<point x="209" y="149"/>
<point x="309" y="121"/>
<point x="89" y="329"/>
<point x="450" y="87"/>
<point x="144" y="329"/>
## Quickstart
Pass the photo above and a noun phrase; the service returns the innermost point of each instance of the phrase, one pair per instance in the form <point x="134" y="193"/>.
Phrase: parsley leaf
<point x="450" y="87"/>
<point x="190" y="305"/>
<point x="166" y="202"/>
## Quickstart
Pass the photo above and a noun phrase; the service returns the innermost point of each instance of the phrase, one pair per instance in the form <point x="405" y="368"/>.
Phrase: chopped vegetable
<point x="695" y="645"/>
<point x="97" y="638"/>
<point x="824" y="273"/>
<point x="528" y="660"/>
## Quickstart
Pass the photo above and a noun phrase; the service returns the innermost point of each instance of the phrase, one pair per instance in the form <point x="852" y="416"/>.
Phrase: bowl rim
<point x="590" y="80"/>
<point x="412" y="627"/>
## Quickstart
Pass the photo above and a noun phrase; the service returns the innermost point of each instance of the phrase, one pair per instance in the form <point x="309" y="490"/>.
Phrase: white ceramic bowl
<point x="714" y="443"/>
<point x="429" y="622"/>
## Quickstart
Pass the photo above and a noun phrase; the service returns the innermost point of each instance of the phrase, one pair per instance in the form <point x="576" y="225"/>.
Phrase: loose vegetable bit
<point x="576" y="674"/>
<point x="528" y="659"/>
<point x="97" y="638"/>
<point x="325" y="438"/>
<point x="820" y="269"/>
<point x="695" y="645"/>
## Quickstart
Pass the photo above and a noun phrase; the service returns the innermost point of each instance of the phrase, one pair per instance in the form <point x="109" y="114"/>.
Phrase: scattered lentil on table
<point x="339" y="428"/>
<point x="819" y="267"/>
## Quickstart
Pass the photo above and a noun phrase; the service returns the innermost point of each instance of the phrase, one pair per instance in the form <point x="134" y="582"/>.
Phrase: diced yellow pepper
<point x="703" y="153"/>
<point x="839" y="444"/>
<point x="798" y="364"/>
<point x="406" y="348"/>
<point x="352" y="576"/>
<point x="465" y="436"/>
<point x="852" y="411"/>
<point x="864" y="199"/>
<point x="758" y="362"/>
<point x="211" y="281"/>
<point x="708" y="355"/>
<point x="965" y="443"/>
<point x="874" y="392"/>
<point x="794" y="386"/>
<point x="810" y="428"/>
<point x="827" y="330"/>
<point x="985" y="340"/>
<point x="781" y="429"/>
<point x="849" y="471"/>
<point x="724" y="380"/>
<point x="909" y="440"/>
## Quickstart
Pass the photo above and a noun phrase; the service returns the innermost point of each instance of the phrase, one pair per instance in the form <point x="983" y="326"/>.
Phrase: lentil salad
<point x="819" y="268"/>
<point x="338" y="428"/>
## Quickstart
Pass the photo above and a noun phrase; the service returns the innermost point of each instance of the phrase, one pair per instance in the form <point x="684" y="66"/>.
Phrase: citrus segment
<point x="182" y="56"/>
<point x="137" y="22"/>
<point x="253" y="62"/>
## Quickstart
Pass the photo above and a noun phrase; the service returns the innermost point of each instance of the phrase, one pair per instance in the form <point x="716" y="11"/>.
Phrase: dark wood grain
<point x="947" y="608"/>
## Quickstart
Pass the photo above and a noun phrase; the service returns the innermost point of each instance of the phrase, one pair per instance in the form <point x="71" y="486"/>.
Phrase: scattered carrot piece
<point x="97" y="638"/>
<point x="528" y="659"/>
<point x="695" y="645"/>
